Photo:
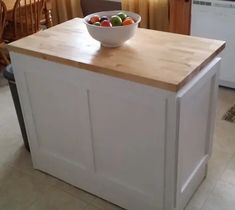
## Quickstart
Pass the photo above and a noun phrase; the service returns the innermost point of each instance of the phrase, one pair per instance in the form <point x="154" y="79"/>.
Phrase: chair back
<point x="92" y="6"/>
<point x="26" y="17"/>
<point x="3" y="12"/>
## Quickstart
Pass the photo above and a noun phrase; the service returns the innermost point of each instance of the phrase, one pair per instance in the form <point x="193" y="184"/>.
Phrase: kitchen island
<point x="132" y="125"/>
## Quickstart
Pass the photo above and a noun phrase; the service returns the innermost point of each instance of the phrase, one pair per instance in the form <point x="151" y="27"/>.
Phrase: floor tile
<point x="222" y="198"/>
<point x="80" y="194"/>
<point x="8" y="148"/>
<point x="201" y="195"/>
<point x="21" y="189"/>
<point x="104" y="205"/>
<point x="55" y="199"/>
<point x="90" y="207"/>
<point x="12" y="204"/>
<point x="229" y="173"/>
<point x="225" y="133"/>
<point x="190" y="207"/>
<point x="5" y="172"/>
<point x="21" y="158"/>
<point x="218" y="162"/>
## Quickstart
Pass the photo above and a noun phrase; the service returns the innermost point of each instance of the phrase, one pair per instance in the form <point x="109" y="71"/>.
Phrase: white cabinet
<point x="140" y="147"/>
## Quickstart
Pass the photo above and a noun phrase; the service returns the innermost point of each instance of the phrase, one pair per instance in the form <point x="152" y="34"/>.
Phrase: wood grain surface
<point x="159" y="59"/>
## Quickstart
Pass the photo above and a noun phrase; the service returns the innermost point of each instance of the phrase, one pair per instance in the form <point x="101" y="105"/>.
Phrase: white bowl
<point x="112" y="36"/>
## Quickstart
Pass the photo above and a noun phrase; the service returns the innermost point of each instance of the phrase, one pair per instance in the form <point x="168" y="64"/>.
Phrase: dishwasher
<point x="216" y="19"/>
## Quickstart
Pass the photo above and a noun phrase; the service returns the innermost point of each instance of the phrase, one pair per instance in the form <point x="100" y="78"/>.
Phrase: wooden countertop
<point x="154" y="58"/>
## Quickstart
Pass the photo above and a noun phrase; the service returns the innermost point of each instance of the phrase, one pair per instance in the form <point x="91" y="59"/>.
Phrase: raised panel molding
<point x="66" y="133"/>
<point x="131" y="132"/>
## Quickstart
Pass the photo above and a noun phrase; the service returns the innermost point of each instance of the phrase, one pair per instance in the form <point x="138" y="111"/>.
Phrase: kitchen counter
<point x="154" y="58"/>
<point x="133" y="125"/>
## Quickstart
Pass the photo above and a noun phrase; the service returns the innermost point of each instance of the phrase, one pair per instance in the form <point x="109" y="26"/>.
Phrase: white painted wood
<point x="196" y="121"/>
<point x="171" y="146"/>
<point x="120" y="140"/>
<point x="212" y="110"/>
<point x="62" y="127"/>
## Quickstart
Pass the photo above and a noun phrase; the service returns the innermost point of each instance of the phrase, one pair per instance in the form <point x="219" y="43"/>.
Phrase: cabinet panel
<point x="131" y="132"/>
<point x="196" y="123"/>
<point x="60" y="111"/>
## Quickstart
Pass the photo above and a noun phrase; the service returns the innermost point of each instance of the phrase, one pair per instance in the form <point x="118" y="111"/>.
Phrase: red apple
<point x="106" y="23"/>
<point x="95" y="19"/>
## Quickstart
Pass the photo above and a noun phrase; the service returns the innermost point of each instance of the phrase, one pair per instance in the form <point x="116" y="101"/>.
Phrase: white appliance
<point x="216" y="19"/>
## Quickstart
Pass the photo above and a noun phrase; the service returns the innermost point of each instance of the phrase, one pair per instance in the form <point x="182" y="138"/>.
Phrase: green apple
<point x="122" y="15"/>
<point x="116" y="20"/>
<point x="97" y="24"/>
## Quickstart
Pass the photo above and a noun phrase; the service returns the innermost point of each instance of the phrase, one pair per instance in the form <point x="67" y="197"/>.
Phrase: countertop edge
<point x="110" y="72"/>
<point x="106" y="71"/>
<point x="203" y="64"/>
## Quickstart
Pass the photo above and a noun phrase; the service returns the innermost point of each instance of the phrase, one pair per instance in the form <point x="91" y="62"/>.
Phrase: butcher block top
<point x="164" y="60"/>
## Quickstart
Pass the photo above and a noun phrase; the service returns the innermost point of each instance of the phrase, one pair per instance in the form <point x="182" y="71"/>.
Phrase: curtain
<point x="65" y="10"/>
<point x="154" y="13"/>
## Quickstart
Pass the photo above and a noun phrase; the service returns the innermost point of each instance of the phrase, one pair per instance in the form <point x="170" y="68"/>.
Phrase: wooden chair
<point x="3" y="12"/>
<point x="26" y="19"/>
<point x="47" y="19"/>
<point x="92" y="6"/>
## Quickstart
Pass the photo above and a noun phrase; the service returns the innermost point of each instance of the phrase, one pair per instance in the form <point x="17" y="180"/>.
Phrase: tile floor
<point x="22" y="188"/>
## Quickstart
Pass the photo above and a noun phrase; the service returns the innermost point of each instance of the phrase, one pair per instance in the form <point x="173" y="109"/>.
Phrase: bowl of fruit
<point x="112" y="28"/>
